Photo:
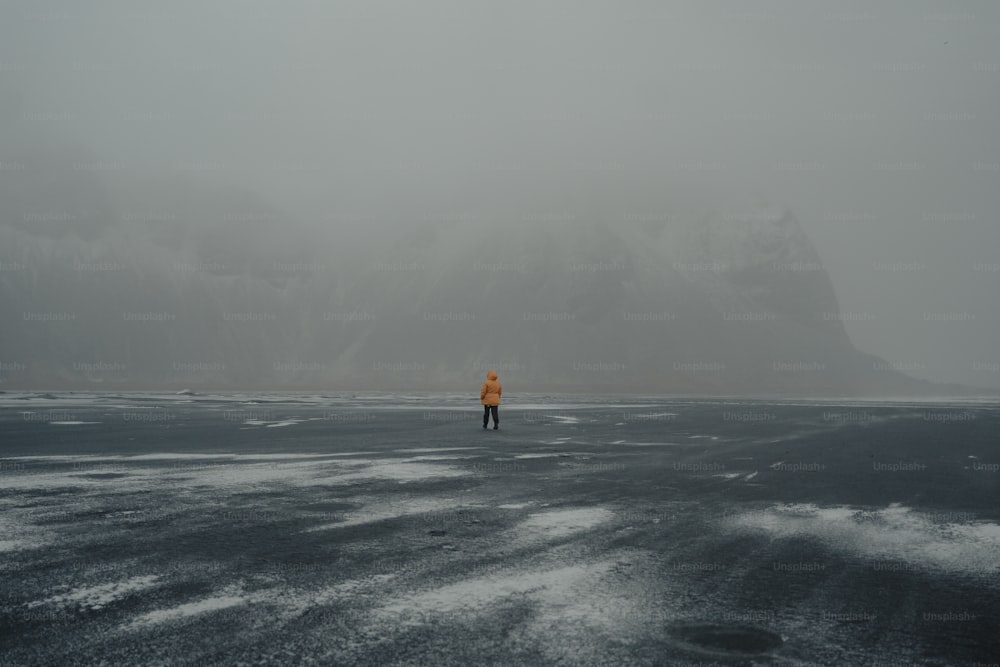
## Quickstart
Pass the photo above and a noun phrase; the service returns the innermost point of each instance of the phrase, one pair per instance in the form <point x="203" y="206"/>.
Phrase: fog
<point x="332" y="131"/>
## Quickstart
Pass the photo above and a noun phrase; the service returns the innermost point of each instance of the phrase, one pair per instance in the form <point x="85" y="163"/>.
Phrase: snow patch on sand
<point x="564" y="419"/>
<point x="434" y="449"/>
<point x="400" y="470"/>
<point x="561" y="523"/>
<point x="439" y="457"/>
<point x="309" y="472"/>
<point x="17" y="532"/>
<point x="97" y="597"/>
<point x="382" y="511"/>
<point x="19" y="545"/>
<point x="76" y="479"/>
<point x="894" y="534"/>
<point x="556" y="586"/>
<point x="233" y="457"/>
<point x="245" y="475"/>
<point x="189" y="609"/>
<point x="170" y="456"/>
<point x="229" y="470"/>
<point x="571" y="607"/>
<point x="272" y="424"/>
<point x="299" y="601"/>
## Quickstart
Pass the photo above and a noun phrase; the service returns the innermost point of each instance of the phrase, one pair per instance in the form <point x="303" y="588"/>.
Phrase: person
<point x="489" y="395"/>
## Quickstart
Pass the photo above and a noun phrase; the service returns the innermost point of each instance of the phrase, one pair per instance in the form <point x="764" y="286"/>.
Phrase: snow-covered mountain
<point x="186" y="286"/>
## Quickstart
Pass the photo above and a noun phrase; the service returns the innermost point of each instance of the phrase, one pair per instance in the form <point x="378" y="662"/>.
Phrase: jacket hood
<point x="491" y="375"/>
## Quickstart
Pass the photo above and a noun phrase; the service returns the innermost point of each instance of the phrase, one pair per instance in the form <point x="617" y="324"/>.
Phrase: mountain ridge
<point x="223" y="291"/>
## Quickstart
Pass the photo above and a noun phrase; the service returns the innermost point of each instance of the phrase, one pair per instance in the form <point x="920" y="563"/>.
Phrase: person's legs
<point x="496" y="417"/>
<point x="486" y="415"/>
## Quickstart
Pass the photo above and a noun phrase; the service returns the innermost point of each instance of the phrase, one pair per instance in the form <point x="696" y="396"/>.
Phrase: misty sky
<point x="877" y="123"/>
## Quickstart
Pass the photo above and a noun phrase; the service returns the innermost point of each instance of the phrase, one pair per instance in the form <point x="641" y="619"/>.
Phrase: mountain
<point x="714" y="306"/>
<point x="179" y="285"/>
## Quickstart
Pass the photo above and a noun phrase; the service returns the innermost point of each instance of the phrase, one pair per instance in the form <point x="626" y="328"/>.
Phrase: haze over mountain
<point x="215" y="295"/>
<point x="696" y="196"/>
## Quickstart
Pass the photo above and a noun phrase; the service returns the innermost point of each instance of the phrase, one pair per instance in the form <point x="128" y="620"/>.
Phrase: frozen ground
<point x="391" y="529"/>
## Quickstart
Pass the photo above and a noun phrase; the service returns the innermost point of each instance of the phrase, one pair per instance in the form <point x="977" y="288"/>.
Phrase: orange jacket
<point x="490" y="392"/>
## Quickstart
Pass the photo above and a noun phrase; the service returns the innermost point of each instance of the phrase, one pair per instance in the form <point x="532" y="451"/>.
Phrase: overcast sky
<point x="877" y="123"/>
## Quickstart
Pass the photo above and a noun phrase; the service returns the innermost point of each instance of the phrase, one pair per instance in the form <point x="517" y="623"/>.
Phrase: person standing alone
<point x="489" y="394"/>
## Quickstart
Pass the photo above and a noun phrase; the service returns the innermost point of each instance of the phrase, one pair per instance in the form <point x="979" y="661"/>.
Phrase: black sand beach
<point x="380" y="529"/>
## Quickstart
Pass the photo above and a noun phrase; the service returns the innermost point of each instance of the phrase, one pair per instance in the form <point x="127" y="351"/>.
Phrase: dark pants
<point x="486" y="415"/>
